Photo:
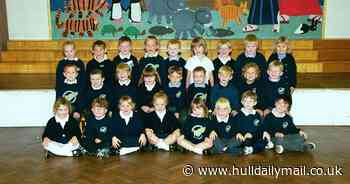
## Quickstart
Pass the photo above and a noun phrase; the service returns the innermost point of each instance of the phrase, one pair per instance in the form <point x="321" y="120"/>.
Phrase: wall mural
<point x="185" y="19"/>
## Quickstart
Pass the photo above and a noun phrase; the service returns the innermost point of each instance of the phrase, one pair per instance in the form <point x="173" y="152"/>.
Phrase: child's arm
<point x="211" y="79"/>
<point x="188" y="78"/>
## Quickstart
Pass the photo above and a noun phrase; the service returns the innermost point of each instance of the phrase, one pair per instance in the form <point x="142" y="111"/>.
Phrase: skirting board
<point x="31" y="108"/>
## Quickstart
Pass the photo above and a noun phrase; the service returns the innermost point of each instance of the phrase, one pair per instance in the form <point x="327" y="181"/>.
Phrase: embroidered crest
<point x="228" y="128"/>
<point x="256" y="122"/>
<point x="155" y="66"/>
<point x="285" y="124"/>
<point x="201" y="96"/>
<point x="198" y="131"/>
<point x="71" y="96"/>
<point x="103" y="96"/>
<point x="178" y="94"/>
<point x="103" y="129"/>
<point x="281" y="91"/>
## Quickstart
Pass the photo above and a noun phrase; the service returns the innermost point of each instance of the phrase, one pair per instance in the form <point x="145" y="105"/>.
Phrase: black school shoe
<point x="79" y="152"/>
<point x="309" y="146"/>
<point x="114" y="152"/>
<point x="208" y="152"/>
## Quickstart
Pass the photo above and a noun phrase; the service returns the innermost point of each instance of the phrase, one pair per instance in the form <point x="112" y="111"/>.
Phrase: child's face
<point x="122" y="75"/>
<point x="69" y="51"/>
<point x="125" y="47"/>
<point x="222" y="111"/>
<point x="250" y="74"/>
<point x="198" y="112"/>
<point x="149" y="80"/>
<point x="174" y="77"/>
<point x="224" y="50"/>
<point x="151" y="46"/>
<point x="173" y="50"/>
<point x="251" y="47"/>
<point x="198" y="77"/>
<point x="274" y="72"/>
<point x="198" y="50"/>
<point x="281" y="106"/>
<point x="96" y="80"/>
<point x="98" y="111"/>
<point x="248" y="103"/>
<point x="70" y="73"/>
<point x="125" y="107"/>
<point x="281" y="48"/>
<point x="62" y="111"/>
<point x="224" y="78"/>
<point x="99" y="52"/>
<point x="159" y="105"/>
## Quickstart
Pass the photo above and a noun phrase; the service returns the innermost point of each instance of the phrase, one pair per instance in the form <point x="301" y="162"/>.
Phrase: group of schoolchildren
<point x="230" y="106"/>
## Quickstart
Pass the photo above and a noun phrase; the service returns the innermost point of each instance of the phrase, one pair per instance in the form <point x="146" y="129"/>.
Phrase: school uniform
<point x="291" y="141"/>
<point x="156" y="61"/>
<point x="127" y="88"/>
<point x="226" y="130"/>
<point x="196" y="129"/>
<point x="218" y="63"/>
<point x="80" y="68"/>
<point x="128" y="129"/>
<point x="244" y="59"/>
<point x="107" y="67"/>
<point x="176" y="95"/>
<point x="145" y="94"/>
<point x="204" y="62"/>
<point x="60" y="132"/>
<point x="251" y="123"/>
<point x="257" y="87"/>
<point x="131" y="61"/>
<point x="289" y="65"/>
<point x="273" y="90"/>
<point x="162" y="123"/>
<point x="230" y="92"/>
<point x="263" y="12"/>
<point x="100" y="129"/>
<point x="175" y="61"/>
<point x="198" y="91"/>
<point x="70" y="90"/>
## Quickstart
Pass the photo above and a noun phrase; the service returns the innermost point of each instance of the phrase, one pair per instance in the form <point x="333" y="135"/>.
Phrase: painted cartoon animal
<point x="188" y="23"/>
<point x="70" y="25"/>
<point x="229" y="11"/>
<point x="110" y="29"/>
<point x="158" y="9"/>
<point x="90" y="6"/>
<point x="220" y="32"/>
<point x="133" y="31"/>
<point x="160" y="30"/>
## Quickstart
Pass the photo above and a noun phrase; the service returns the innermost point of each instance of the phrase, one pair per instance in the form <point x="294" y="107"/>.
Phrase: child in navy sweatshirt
<point x="128" y="129"/>
<point x="162" y="127"/>
<point x="196" y="131"/>
<point x="199" y="88"/>
<point x="224" y="58"/>
<point x="124" y="85"/>
<point x="175" y="59"/>
<point x="280" y="128"/>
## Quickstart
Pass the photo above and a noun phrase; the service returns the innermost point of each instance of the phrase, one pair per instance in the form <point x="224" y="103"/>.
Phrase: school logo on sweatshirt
<point x="155" y="66"/>
<point x="178" y="94"/>
<point x="228" y="128"/>
<point x="256" y="122"/>
<point x="285" y="124"/>
<point x="254" y="90"/>
<point x="198" y="131"/>
<point x="103" y="96"/>
<point x="103" y="129"/>
<point x="130" y="64"/>
<point x="201" y="96"/>
<point x="281" y="91"/>
<point x="71" y="96"/>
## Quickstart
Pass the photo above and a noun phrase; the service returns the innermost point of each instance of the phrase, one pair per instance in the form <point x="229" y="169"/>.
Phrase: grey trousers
<point x="233" y="146"/>
<point x="291" y="142"/>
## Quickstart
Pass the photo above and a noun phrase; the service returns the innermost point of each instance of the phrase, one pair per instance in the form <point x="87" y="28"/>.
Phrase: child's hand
<point x="260" y="112"/>
<point x="46" y="142"/>
<point x="142" y="140"/>
<point x="279" y="135"/>
<point x="302" y="133"/>
<point x="116" y="142"/>
<point x="145" y="108"/>
<point x="177" y="115"/>
<point x="266" y="112"/>
<point x="208" y="142"/>
<point x="266" y="136"/>
<point x="240" y="137"/>
<point x="248" y="136"/>
<point x="291" y="90"/>
<point x="234" y="112"/>
<point x="97" y="141"/>
<point x="76" y="115"/>
<point x="213" y="135"/>
<point x="74" y="141"/>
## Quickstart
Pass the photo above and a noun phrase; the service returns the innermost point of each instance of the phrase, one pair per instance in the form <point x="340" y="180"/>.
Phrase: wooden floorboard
<point x="21" y="161"/>
<point x="47" y="81"/>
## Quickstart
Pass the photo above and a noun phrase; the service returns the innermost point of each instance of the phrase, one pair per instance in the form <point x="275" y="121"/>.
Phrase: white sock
<point x="124" y="151"/>
<point x="199" y="151"/>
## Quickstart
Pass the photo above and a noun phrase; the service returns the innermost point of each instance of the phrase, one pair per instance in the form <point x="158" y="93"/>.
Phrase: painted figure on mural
<point x="134" y="7"/>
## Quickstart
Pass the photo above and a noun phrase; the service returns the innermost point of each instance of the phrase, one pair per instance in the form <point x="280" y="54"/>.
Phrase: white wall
<point x="337" y="19"/>
<point x="28" y="19"/>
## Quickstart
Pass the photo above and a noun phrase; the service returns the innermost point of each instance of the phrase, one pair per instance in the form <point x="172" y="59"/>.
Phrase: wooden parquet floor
<point x="21" y="161"/>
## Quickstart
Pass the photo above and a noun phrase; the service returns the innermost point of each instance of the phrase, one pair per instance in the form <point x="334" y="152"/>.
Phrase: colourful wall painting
<point x="185" y="19"/>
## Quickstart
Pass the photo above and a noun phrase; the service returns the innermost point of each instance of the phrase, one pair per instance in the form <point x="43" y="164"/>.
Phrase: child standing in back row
<point x="224" y="58"/>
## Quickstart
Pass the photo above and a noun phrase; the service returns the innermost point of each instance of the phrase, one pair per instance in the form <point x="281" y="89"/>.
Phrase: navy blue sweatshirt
<point x="218" y="64"/>
<point x="107" y="67"/>
<point x="177" y="97"/>
<point x="272" y="90"/>
<point x="157" y="62"/>
<point x="179" y="63"/>
<point x="257" y="87"/>
<point x="133" y="129"/>
<point x="162" y="128"/>
<point x="285" y="125"/>
<point x="290" y="68"/>
<point x="123" y="90"/>
<point x="196" y="130"/>
<point x="226" y="130"/>
<point x="194" y="92"/>
<point x="71" y="92"/>
<point x="242" y="60"/>
<point x="249" y="124"/>
<point x="100" y="129"/>
<point x="105" y="92"/>
<point x="55" y="132"/>
<point x="132" y="62"/>
<point x="60" y="69"/>
<point x="230" y="92"/>
<point x="145" y="97"/>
